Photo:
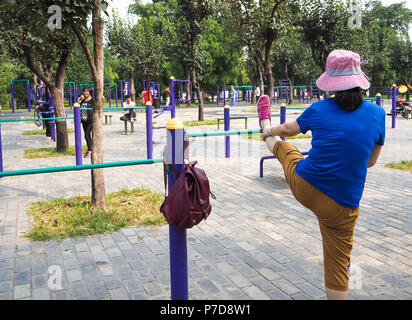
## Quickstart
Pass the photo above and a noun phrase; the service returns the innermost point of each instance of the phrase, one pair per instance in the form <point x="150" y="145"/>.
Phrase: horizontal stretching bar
<point x="35" y="119"/>
<point x="253" y="117"/>
<point x="223" y="133"/>
<point x="117" y="108"/>
<point x="79" y="168"/>
<point x="296" y="108"/>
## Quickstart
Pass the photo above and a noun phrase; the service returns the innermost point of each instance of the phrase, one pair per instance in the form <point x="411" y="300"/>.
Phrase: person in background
<point x="232" y="95"/>
<point x="257" y="93"/>
<point x="146" y="97"/>
<point x="166" y="96"/>
<point x="86" y="101"/>
<point x="44" y="108"/>
<point x="130" y="115"/>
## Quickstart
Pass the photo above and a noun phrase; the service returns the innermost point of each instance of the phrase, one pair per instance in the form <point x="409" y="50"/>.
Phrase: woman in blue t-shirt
<point x="348" y="135"/>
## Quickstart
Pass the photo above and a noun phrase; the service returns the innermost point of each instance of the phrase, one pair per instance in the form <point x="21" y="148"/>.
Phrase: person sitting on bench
<point x="130" y="115"/>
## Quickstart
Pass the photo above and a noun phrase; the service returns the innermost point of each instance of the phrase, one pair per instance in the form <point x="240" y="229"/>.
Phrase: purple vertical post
<point x="283" y="116"/>
<point x="52" y="122"/>
<point x="224" y="95"/>
<point x="71" y="95"/>
<point x="1" y="153"/>
<point x="76" y="93"/>
<point x="379" y="99"/>
<point x="117" y="97"/>
<point x="177" y="236"/>
<point x="287" y="95"/>
<point x="394" y="95"/>
<point x="227" y="128"/>
<point x="29" y="96"/>
<point x="110" y="97"/>
<point x="172" y="97"/>
<point x="12" y="96"/>
<point x="78" y="134"/>
<point x="121" y="92"/>
<point x="218" y="94"/>
<point x="129" y="89"/>
<point x="149" y="130"/>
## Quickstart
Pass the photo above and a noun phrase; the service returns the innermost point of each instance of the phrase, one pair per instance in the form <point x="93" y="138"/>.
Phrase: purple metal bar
<point x="117" y="97"/>
<point x="272" y="157"/>
<point x="78" y="135"/>
<point x="149" y="130"/>
<point x="1" y="153"/>
<point x="177" y="236"/>
<point x="52" y="123"/>
<point x="121" y="92"/>
<point x="172" y="98"/>
<point x="379" y="99"/>
<point x="110" y="97"/>
<point x="224" y="96"/>
<point x="227" y="128"/>
<point x="282" y="117"/>
<point x="29" y="96"/>
<point x="394" y="96"/>
<point x="218" y="94"/>
<point x="12" y="97"/>
<point x="71" y="96"/>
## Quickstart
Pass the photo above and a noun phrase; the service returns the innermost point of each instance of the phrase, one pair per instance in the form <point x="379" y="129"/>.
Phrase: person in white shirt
<point x="257" y="93"/>
<point x="130" y="115"/>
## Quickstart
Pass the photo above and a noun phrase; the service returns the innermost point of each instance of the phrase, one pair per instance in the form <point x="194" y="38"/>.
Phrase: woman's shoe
<point x="88" y="154"/>
<point x="264" y="109"/>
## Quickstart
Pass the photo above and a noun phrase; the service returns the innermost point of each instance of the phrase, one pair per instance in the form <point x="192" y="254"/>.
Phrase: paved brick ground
<point x="259" y="242"/>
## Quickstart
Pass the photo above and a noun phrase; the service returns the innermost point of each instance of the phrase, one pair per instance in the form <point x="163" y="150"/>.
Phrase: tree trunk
<point x="290" y="84"/>
<point x="261" y="81"/>
<point x="188" y="97"/>
<point x="56" y="90"/>
<point x="198" y="94"/>
<point x="62" y="139"/>
<point x="98" y="184"/>
<point x="268" y="69"/>
<point x="132" y="87"/>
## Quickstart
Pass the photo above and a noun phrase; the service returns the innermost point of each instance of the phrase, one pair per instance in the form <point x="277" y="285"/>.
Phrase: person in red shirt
<point x="144" y="97"/>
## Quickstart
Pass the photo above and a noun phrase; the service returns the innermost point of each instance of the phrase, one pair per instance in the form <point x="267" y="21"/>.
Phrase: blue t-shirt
<point x="342" y="144"/>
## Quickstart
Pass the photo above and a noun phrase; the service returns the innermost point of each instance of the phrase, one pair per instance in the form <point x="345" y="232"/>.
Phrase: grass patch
<point x="50" y="153"/>
<point x="405" y="165"/>
<point x="74" y="217"/>
<point x="200" y="123"/>
<point x="258" y="137"/>
<point x="40" y="132"/>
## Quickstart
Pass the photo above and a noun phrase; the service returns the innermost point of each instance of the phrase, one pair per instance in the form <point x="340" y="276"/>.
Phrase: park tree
<point x="139" y="49"/>
<point x="261" y="22"/>
<point x="293" y="60"/>
<point x="323" y="26"/>
<point x="96" y="63"/>
<point x="383" y="34"/>
<point x="183" y="22"/>
<point x="29" y="37"/>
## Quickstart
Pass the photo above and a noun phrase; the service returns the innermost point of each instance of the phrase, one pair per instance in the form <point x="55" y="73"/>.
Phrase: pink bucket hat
<point x="343" y="72"/>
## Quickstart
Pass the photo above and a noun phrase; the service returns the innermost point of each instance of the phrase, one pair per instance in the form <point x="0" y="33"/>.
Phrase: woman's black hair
<point x="87" y="89"/>
<point x="349" y="100"/>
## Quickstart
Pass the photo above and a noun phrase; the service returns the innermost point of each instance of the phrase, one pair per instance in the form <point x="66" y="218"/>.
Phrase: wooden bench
<point x="108" y="118"/>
